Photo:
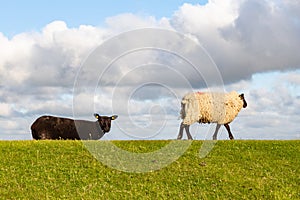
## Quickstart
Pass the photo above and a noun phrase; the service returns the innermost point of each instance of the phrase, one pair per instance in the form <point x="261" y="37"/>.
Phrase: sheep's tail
<point x="189" y="109"/>
<point x="34" y="132"/>
<point x="182" y="111"/>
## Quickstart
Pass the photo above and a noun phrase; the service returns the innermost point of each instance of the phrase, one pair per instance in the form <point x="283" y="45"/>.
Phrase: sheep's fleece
<point x="219" y="108"/>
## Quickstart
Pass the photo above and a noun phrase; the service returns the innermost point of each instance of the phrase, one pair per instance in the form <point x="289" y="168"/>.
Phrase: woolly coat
<point x="219" y="108"/>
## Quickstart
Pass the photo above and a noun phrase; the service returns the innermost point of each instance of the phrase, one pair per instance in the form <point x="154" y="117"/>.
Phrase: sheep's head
<point x="244" y="100"/>
<point x="105" y="121"/>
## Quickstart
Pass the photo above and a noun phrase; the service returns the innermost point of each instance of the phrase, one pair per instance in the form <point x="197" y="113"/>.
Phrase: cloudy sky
<point x="72" y="59"/>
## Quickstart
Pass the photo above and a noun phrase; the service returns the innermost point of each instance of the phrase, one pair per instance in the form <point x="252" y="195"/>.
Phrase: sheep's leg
<point x="216" y="131"/>
<point x="229" y="132"/>
<point x="187" y="130"/>
<point x="180" y="134"/>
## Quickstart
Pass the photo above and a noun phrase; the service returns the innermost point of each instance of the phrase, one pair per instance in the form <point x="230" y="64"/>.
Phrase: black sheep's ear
<point x="114" y="117"/>
<point x="241" y="96"/>
<point x="97" y="116"/>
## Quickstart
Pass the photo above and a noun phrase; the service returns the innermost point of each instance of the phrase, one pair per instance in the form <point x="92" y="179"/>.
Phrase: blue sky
<point x="31" y="15"/>
<point x="254" y="44"/>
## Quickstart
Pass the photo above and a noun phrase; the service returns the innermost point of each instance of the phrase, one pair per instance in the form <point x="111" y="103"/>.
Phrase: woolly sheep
<point x="220" y="108"/>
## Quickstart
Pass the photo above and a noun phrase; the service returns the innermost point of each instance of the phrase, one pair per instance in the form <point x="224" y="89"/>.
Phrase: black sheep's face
<point x="244" y="100"/>
<point x="105" y="122"/>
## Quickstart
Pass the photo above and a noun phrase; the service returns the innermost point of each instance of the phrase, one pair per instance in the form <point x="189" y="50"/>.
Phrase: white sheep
<point x="220" y="108"/>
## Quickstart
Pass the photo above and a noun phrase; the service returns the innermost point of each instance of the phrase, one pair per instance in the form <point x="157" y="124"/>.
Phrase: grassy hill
<point x="232" y="170"/>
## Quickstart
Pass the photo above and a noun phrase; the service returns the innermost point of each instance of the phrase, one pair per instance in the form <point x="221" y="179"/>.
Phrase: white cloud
<point x="244" y="37"/>
<point x="203" y="19"/>
<point x="5" y="109"/>
<point x="129" y="21"/>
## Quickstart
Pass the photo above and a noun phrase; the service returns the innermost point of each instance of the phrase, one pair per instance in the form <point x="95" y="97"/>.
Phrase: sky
<point x="48" y="47"/>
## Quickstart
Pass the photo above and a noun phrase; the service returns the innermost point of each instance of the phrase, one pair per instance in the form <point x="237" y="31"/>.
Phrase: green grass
<point x="232" y="170"/>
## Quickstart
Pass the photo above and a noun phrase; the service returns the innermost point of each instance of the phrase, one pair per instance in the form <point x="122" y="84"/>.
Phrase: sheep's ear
<point x="114" y="117"/>
<point x="96" y="115"/>
<point x="241" y="96"/>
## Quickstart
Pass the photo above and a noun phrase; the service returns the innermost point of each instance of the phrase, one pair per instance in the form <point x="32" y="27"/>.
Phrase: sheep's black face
<point x="105" y="122"/>
<point x="244" y="100"/>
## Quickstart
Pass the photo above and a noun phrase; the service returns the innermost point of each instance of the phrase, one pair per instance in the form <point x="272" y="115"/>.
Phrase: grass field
<point x="232" y="170"/>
